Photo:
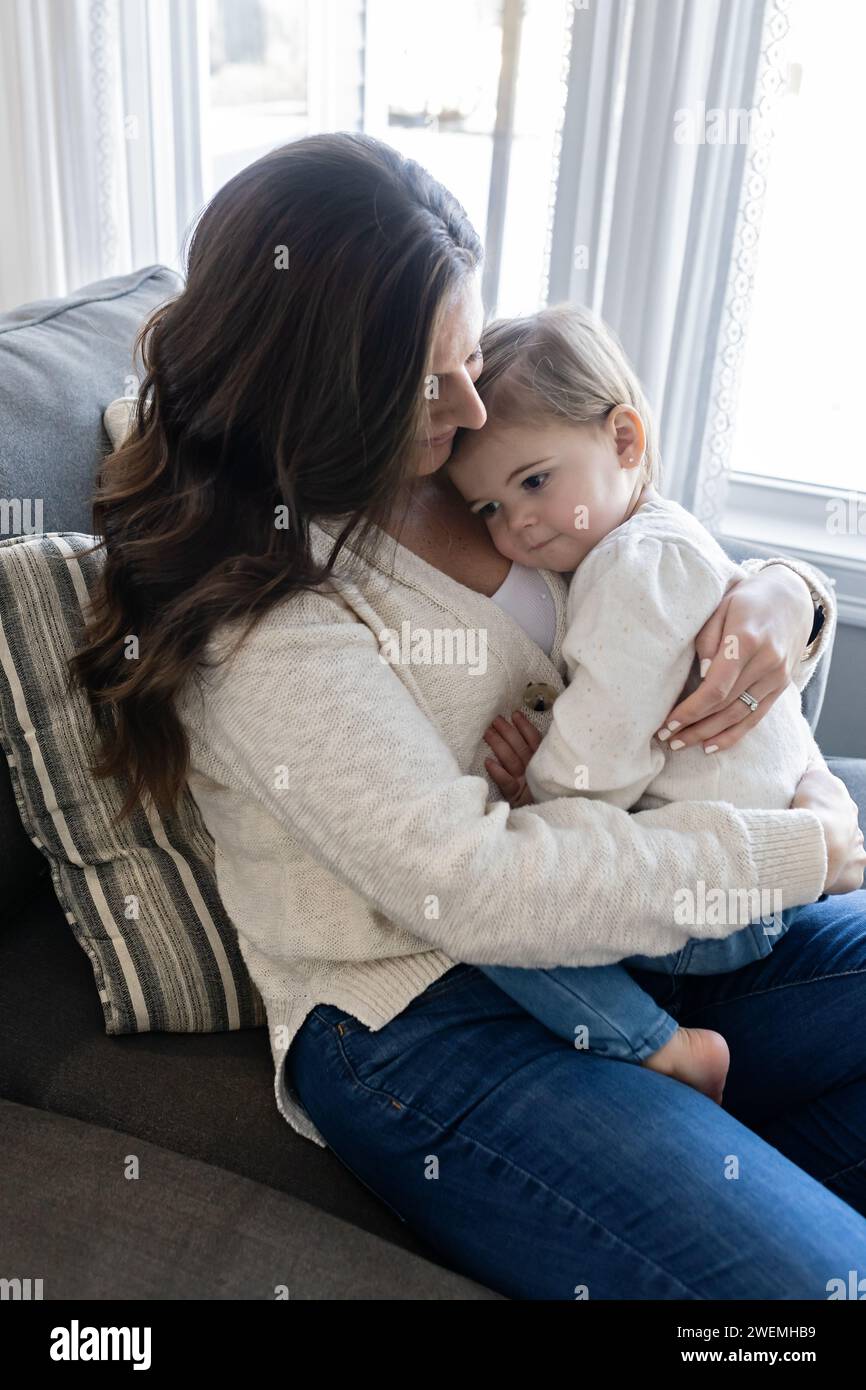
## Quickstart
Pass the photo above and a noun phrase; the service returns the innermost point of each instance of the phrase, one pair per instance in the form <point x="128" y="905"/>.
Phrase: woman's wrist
<point x="797" y="585"/>
<point x="820" y="602"/>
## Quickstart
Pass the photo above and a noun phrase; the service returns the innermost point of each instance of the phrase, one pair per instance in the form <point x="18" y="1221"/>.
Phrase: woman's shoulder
<point x="321" y="605"/>
<point x="294" y="620"/>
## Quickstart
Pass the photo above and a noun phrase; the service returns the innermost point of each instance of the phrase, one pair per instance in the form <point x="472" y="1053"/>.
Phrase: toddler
<point x="563" y="473"/>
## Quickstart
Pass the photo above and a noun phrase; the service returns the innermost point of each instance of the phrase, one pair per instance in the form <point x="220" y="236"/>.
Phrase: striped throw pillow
<point x="140" y="896"/>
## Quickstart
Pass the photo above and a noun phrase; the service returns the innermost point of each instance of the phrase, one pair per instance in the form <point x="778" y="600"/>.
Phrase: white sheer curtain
<point x="645" y="226"/>
<point x="98" y="161"/>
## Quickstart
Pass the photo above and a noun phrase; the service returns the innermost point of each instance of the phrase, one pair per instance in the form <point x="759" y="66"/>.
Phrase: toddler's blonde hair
<point x="562" y="363"/>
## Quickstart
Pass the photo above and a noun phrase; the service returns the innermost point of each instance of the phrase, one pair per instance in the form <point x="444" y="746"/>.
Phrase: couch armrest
<point x="853" y="774"/>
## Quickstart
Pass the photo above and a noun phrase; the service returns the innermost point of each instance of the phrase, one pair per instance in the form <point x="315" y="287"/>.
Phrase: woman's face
<point x="450" y="391"/>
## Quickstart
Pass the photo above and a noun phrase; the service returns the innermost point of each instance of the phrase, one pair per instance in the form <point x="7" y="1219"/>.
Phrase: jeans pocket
<point x="455" y="975"/>
<point x="373" y="1053"/>
<point x="337" y="1020"/>
<point x="344" y="1023"/>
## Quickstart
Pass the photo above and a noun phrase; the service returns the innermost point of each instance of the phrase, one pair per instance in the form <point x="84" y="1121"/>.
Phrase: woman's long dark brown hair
<point x="283" y="384"/>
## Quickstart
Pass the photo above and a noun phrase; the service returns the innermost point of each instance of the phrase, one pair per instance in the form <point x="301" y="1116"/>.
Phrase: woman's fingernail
<point x="663" y="734"/>
<point x="677" y="743"/>
<point x="705" y="666"/>
<point x="673" y="725"/>
<point x="712" y="748"/>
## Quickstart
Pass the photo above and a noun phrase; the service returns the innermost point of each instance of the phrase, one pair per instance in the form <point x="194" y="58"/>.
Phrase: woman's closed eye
<point x="540" y="478"/>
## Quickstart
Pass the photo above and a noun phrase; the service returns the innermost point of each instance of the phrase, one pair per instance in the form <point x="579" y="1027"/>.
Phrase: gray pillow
<point x="61" y="362"/>
<point x="140" y="895"/>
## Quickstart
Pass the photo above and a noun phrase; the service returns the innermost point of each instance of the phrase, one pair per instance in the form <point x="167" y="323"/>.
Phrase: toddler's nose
<point x="522" y="521"/>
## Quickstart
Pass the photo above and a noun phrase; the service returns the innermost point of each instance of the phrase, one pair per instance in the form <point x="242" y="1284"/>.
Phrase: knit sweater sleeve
<point x="310" y="721"/>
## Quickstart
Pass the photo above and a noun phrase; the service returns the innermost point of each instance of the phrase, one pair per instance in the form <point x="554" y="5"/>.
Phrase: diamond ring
<point x="749" y="700"/>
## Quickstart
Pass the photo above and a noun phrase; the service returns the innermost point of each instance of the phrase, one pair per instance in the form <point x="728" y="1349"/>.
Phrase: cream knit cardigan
<point x="361" y="849"/>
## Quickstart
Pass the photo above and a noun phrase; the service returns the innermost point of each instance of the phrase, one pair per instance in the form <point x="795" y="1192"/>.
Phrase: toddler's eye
<point x="484" y="511"/>
<point x="533" y="477"/>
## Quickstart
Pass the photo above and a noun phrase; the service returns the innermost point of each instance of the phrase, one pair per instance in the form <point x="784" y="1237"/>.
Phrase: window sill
<point x="824" y="526"/>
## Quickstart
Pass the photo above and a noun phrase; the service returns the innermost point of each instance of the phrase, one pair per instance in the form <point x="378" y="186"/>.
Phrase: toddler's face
<point x="548" y="493"/>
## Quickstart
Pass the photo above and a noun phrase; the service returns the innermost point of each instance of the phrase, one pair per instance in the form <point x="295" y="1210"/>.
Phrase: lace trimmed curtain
<point x="95" y="141"/>
<point x="658" y="189"/>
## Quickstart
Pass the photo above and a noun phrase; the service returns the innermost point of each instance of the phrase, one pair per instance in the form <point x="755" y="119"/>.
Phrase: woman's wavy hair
<point x="284" y="383"/>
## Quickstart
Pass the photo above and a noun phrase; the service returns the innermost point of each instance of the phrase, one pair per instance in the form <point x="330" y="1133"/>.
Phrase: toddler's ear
<point x="629" y="434"/>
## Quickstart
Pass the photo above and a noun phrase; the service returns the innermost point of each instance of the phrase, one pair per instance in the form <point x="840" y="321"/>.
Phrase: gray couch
<point x="231" y="1201"/>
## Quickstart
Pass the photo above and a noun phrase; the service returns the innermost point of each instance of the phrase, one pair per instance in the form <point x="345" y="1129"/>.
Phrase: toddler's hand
<point x="514" y="745"/>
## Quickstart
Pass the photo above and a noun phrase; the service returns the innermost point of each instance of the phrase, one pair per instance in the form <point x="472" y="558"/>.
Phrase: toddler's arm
<point x="634" y="608"/>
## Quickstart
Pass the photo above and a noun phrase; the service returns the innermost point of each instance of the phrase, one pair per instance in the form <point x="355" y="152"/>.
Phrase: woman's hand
<point x="753" y="642"/>
<point x="514" y="745"/>
<point x="827" y="797"/>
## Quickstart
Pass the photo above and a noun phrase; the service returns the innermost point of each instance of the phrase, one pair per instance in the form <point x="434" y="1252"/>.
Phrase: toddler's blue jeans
<point x="602" y="1008"/>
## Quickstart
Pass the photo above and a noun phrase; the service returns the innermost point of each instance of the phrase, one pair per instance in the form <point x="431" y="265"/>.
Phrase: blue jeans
<point x="602" y="1008"/>
<point x="541" y="1170"/>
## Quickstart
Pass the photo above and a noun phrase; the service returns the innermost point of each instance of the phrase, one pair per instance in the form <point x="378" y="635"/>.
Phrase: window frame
<point x="777" y="516"/>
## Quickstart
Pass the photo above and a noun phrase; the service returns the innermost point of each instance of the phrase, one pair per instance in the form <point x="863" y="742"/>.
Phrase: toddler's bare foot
<point x="697" y="1056"/>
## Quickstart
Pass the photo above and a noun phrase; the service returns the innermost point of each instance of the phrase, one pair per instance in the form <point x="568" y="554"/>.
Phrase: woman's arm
<point x="756" y="641"/>
<point x="313" y="724"/>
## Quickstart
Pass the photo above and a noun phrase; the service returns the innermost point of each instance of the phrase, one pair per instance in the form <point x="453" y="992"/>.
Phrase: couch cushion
<point x="140" y="895"/>
<point x="180" y="1229"/>
<point x="210" y="1095"/>
<point x="61" y="362"/>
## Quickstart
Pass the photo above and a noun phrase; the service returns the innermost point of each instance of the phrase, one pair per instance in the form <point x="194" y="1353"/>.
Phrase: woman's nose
<point x="466" y="404"/>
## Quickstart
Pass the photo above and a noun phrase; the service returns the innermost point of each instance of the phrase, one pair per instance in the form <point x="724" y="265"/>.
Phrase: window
<point x="798" y="472"/>
<point x="464" y="87"/>
<point x="257" y="92"/>
<point x="277" y="70"/>
<point x="802" y="369"/>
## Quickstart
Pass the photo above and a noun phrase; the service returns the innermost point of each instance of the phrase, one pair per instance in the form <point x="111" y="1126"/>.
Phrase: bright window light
<point x="802" y="371"/>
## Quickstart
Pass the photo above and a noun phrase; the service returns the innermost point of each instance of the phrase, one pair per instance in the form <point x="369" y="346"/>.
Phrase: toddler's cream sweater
<point x="654" y="581"/>
<point x="362" y="850"/>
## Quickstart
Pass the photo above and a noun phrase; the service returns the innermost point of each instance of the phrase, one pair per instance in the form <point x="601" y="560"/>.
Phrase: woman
<point x="300" y="394"/>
